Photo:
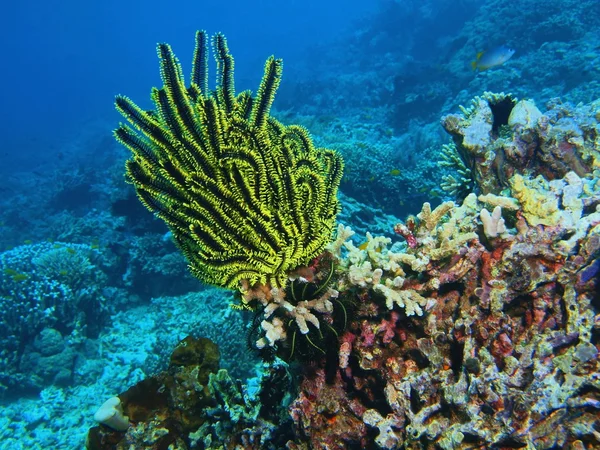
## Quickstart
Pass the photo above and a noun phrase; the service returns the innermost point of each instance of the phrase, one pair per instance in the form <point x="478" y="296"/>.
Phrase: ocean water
<point x="95" y="295"/>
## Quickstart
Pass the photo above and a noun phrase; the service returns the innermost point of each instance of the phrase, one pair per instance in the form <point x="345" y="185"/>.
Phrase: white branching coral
<point x="342" y="235"/>
<point x="442" y="232"/>
<point x="374" y="266"/>
<point x="274" y="331"/>
<point x="492" y="200"/>
<point x="302" y="313"/>
<point x="432" y="241"/>
<point x="409" y="300"/>
<point x="493" y="224"/>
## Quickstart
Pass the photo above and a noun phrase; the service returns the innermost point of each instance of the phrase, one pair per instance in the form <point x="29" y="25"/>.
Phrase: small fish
<point x="395" y="172"/>
<point x="365" y="245"/>
<point x="493" y="57"/>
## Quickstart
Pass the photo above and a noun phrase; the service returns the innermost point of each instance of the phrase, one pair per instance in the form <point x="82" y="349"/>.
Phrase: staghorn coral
<point x="435" y="237"/>
<point x="246" y="198"/>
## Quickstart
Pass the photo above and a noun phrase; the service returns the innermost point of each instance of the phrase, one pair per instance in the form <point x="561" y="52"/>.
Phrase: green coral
<point x="247" y="199"/>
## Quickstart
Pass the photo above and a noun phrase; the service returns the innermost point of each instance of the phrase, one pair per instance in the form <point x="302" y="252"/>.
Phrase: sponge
<point x="111" y="415"/>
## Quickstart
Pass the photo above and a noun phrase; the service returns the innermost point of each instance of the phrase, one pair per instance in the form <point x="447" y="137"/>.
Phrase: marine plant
<point x="248" y="200"/>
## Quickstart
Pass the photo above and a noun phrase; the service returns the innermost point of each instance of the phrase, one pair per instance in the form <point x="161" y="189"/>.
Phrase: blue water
<point x="368" y="78"/>
<point x="65" y="61"/>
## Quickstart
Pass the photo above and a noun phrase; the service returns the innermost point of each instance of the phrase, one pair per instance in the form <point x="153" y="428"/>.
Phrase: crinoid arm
<point x="247" y="199"/>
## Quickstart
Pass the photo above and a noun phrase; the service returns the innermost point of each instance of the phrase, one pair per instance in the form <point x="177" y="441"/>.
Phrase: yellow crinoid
<point x="246" y="198"/>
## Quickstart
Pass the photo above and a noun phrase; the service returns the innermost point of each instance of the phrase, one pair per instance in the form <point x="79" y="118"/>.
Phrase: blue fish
<point x="493" y="57"/>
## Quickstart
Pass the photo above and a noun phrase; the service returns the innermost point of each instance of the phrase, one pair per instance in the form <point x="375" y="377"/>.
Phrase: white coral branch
<point x="493" y="224"/>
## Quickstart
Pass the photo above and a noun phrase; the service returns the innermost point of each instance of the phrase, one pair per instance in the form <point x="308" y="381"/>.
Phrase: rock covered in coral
<point x="51" y="298"/>
<point x="196" y="405"/>
<point x="498" y="136"/>
<point x="501" y="352"/>
<point x="165" y="408"/>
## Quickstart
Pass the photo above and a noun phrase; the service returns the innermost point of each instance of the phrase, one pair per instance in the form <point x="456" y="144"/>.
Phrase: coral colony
<point x="475" y="328"/>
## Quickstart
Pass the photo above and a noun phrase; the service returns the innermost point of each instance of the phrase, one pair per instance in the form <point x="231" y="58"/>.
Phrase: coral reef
<point x="471" y="324"/>
<point x="246" y="198"/>
<point x="51" y="299"/>
<point x="482" y="328"/>
<point x="387" y="85"/>
<point x="193" y="404"/>
<point x="498" y="136"/>
<point x="494" y="343"/>
<point x="469" y="334"/>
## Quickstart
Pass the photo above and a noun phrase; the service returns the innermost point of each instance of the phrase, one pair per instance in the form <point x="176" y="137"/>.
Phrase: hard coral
<point x="504" y="353"/>
<point x="498" y="137"/>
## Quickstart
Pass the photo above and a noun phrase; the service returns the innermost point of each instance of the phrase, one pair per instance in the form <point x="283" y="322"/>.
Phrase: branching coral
<point x="304" y="320"/>
<point x="246" y="198"/>
<point x="435" y="238"/>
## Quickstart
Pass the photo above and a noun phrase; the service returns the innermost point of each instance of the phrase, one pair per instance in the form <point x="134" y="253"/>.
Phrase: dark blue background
<point x="63" y="62"/>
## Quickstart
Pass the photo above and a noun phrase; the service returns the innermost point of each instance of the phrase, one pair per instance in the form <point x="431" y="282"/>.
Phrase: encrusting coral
<point x="248" y="200"/>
